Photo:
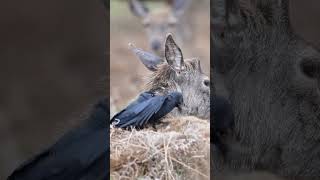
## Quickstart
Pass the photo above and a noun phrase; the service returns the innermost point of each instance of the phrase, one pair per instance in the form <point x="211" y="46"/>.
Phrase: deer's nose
<point x="156" y="45"/>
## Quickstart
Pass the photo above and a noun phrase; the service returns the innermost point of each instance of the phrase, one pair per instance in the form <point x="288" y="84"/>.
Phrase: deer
<point x="160" y="21"/>
<point x="271" y="77"/>
<point x="174" y="73"/>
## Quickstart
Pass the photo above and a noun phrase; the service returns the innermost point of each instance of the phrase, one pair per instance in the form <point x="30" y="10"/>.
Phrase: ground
<point x="178" y="149"/>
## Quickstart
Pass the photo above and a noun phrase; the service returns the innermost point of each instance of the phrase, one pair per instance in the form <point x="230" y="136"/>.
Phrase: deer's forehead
<point x="160" y="16"/>
<point x="193" y="63"/>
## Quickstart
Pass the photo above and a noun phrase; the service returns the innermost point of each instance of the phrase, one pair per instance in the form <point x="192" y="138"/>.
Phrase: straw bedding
<point x="179" y="148"/>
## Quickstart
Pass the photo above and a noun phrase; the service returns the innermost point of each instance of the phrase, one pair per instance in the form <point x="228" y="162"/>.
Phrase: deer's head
<point x="178" y="74"/>
<point x="159" y="22"/>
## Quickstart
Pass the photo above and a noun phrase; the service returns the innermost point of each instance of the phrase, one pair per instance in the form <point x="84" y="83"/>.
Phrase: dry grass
<point x="178" y="149"/>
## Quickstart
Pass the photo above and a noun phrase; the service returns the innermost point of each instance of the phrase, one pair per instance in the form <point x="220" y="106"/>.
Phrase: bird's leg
<point x="154" y="126"/>
<point x="165" y="123"/>
<point x="162" y="124"/>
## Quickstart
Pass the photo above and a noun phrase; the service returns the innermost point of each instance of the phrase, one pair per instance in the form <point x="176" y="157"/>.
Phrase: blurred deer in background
<point x="160" y="21"/>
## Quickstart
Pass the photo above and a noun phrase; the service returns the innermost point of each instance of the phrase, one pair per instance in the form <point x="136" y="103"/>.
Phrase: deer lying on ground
<point x="178" y="74"/>
<point x="160" y="21"/>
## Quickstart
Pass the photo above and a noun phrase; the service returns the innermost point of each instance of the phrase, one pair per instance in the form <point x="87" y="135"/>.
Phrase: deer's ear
<point x="199" y="65"/>
<point x="225" y="14"/>
<point x="138" y="8"/>
<point x="180" y="6"/>
<point x="149" y="60"/>
<point x="233" y="14"/>
<point x="285" y="6"/>
<point x="173" y="54"/>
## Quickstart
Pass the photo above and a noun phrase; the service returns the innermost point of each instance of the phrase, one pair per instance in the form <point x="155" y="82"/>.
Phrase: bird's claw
<point x="115" y="122"/>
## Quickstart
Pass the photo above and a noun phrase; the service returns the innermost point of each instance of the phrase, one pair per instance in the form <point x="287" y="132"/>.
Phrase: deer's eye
<point x="171" y="24"/>
<point x="206" y="82"/>
<point x="146" y="24"/>
<point x="221" y="35"/>
<point x="310" y="68"/>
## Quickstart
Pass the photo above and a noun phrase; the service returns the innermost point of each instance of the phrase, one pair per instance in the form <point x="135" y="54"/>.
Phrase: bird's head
<point x="177" y="97"/>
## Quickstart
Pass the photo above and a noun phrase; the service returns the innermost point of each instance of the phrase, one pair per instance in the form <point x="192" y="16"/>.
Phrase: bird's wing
<point x="141" y="113"/>
<point x="142" y="97"/>
<point x="80" y="153"/>
<point x="73" y="161"/>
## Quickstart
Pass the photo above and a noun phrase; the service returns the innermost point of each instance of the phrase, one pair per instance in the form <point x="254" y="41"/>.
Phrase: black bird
<point x="147" y="108"/>
<point x="82" y="154"/>
<point x="223" y="121"/>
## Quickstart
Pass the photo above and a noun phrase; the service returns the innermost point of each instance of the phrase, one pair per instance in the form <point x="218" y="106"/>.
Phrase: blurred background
<point x="305" y="20"/>
<point x="127" y="73"/>
<point x="52" y="68"/>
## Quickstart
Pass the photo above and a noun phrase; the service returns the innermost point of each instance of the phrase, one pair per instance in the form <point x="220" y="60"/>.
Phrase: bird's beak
<point x="179" y="106"/>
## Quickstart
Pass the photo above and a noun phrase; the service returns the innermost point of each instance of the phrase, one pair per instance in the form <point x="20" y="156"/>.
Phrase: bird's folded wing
<point x="141" y="113"/>
<point x="142" y="97"/>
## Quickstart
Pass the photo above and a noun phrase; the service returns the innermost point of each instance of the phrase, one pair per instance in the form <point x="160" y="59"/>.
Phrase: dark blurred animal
<point x="148" y="108"/>
<point x="106" y="4"/>
<point x="71" y="59"/>
<point x="272" y="79"/>
<point x="178" y="74"/>
<point x="222" y="121"/>
<point x="159" y="22"/>
<point x="81" y="154"/>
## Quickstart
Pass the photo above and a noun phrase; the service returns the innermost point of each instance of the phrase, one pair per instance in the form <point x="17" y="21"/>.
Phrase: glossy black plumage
<point x="81" y="154"/>
<point x="147" y="108"/>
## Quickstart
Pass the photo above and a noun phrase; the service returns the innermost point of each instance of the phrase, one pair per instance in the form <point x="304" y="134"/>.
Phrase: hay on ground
<point x="177" y="149"/>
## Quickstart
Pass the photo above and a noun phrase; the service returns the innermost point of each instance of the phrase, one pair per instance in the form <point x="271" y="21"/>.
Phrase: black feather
<point x="80" y="154"/>
<point x="148" y="108"/>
